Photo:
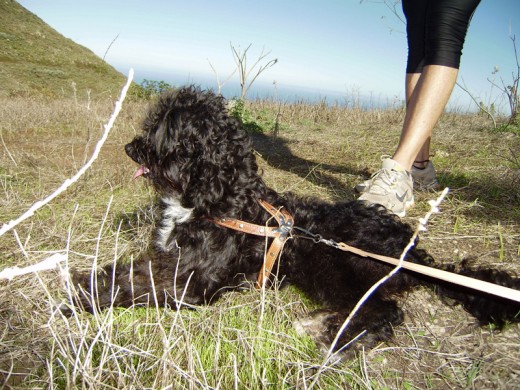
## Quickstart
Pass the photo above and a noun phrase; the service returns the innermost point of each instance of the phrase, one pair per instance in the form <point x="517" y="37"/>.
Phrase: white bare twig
<point x="47" y="264"/>
<point x="434" y="204"/>
<point x="220" y="85"/>
<point x="67" y="183"/>
<point x="244" y="72"/>
<point x="7" y="150"/>
<point x="53" y="261"/>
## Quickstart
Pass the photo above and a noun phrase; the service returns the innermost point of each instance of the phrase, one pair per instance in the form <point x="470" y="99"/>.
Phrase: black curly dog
<point x="201" y="163"/>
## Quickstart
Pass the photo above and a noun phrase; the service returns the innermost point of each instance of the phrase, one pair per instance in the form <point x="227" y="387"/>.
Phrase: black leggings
<point x="436" y="30"/>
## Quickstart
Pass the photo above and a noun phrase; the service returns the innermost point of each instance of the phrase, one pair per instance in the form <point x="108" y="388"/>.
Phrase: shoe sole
<point x="401" y="214"/>
<point x="427" y="187"/>
<point x="407" y="206"/>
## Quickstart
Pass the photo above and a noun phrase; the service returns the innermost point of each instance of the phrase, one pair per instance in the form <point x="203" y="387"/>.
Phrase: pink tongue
<point x="141" y="171"/>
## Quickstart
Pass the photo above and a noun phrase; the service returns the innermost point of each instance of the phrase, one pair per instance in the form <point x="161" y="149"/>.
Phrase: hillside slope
<point x="37" y="60"/>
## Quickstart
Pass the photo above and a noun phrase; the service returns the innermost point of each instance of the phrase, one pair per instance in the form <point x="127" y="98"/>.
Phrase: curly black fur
<point x="200" y="162"/>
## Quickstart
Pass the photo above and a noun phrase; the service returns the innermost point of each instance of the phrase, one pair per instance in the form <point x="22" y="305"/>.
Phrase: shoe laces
<point x="384" y="178"/>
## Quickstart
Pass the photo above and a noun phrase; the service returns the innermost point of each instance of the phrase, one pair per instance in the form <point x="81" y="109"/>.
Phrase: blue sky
<point x="344" y="46"/>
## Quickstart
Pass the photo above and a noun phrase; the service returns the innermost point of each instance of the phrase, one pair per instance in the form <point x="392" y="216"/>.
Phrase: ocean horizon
<point x="275" y="91"/>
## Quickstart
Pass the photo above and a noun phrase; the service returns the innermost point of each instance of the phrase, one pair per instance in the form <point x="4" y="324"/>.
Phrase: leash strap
<point x="451" y="277"/>
<point x="475" y="284"/>
<point x="280" y="235"/>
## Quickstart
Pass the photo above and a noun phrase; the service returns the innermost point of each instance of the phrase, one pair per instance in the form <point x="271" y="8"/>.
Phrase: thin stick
<point x="399" y="265"/>
<point x="7" y="150"/>
<point x="422" y="226"/>
<point x="47" y="264"/>
<point x="67" y="183"/>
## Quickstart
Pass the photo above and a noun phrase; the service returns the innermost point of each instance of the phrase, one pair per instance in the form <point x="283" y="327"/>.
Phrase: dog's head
<point x="193" y="150"/>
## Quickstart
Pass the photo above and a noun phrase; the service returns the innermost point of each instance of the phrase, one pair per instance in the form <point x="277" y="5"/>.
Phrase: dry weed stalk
<point x="434" y="208"/>
<point x="54" y="260"/>
<point x="244" y="72"/>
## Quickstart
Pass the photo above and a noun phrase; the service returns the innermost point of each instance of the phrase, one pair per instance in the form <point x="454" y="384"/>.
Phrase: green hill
<point x="37" y="60"/>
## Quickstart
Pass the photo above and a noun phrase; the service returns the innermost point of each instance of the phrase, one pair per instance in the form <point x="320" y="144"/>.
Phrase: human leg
<point x="427" y="102"/>
<point x="435" y="32"/>
<point x="392" y="186"/>
<point x="423" y="172"/>
<point x="410" y="83"/>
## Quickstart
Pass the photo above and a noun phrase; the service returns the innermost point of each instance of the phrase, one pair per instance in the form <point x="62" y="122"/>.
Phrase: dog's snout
<point x="132" y="151"/>
<point x="129" y="149"/>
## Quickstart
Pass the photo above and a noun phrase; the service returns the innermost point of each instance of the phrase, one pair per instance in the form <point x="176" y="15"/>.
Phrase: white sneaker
<point x="362" y="187"/>
<point x="425" y="179"/>
<point x="391" y="187"/>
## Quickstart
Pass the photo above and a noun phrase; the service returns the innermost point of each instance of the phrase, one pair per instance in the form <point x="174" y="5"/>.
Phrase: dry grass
<point x="321" y="151"/>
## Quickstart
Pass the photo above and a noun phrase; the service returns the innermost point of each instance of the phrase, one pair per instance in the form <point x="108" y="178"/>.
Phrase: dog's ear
<point x="223" y="180"/>
<point x="165" y="139"/>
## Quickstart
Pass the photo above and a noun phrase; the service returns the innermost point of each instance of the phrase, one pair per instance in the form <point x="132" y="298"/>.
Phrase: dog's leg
<point x="372" y="324"/>
<point x="157" y="282"/>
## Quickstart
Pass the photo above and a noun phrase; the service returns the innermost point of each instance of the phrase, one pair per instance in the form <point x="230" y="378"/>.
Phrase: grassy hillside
<point x="37" y="60"/>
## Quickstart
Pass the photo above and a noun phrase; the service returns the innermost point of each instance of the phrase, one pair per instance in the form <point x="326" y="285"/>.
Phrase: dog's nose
<point x="131" y="152"/>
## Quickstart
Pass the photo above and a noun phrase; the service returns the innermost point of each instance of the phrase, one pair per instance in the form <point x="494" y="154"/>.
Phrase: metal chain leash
<point x="316" y="238"/>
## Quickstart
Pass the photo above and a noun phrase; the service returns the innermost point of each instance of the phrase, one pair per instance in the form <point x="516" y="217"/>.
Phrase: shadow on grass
<point x="277" y="153"/>
<point x="498" y="197"/>
<point x="132" y="223"/>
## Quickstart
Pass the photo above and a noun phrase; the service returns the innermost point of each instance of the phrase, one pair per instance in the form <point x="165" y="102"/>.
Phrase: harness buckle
<point x="284" y="228"/>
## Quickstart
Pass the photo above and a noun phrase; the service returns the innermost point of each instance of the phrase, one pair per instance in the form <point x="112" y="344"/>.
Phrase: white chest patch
<point x="172" y="214"/>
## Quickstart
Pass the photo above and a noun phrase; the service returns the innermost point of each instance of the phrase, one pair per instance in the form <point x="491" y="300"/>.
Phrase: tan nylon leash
<point x="476" y="284"/>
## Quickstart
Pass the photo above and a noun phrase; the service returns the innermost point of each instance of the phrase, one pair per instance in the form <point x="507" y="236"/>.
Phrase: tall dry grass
<point x="246" y="340"/>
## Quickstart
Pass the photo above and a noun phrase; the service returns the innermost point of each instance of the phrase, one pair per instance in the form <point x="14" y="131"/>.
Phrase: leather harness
<point x="281" y="234"/>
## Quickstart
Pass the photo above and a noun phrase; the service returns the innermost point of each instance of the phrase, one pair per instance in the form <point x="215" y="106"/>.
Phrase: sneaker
<point x="391" y="187"/>
<point x="425" y="179"/>
<point x="362" y="187"/>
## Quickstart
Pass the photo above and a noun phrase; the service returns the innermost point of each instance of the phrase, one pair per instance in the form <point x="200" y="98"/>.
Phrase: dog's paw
<point x="317" y="326"/>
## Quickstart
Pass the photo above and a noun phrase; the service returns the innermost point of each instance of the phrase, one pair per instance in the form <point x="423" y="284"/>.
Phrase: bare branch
<point x="109" y="46"/>
<point x="511" y="91"/>
<point x="67" y="183"/>
<point x="219" y="84"/>
<point x="244" y="72"/>
<point x="479" y="104"/>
